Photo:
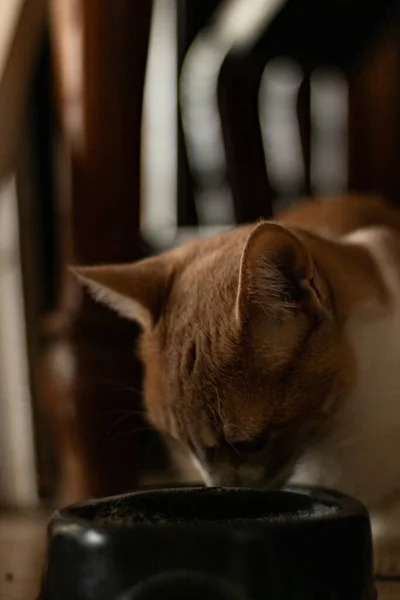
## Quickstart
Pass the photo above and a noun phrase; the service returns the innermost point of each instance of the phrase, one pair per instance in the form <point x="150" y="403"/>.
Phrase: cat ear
<point x="136" y="290"/>
<point x="277" y="274"/>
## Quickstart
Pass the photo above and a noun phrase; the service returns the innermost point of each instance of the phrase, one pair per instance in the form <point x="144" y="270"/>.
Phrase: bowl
<point x="211" y="543"/>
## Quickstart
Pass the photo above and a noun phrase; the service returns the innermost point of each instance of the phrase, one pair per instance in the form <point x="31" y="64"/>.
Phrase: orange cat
<point x="272" y="352"/>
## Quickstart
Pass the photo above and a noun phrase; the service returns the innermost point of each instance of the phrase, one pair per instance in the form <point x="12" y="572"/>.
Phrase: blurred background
<point x="126" y="127"/>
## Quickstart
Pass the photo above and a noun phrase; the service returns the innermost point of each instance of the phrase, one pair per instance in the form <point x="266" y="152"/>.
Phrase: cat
<point x="272" y="352"/>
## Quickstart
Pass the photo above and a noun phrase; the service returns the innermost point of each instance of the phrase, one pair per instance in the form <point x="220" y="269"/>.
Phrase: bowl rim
<point x="345" y="507"/>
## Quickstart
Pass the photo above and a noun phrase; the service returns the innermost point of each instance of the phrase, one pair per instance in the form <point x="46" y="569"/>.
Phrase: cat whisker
<point x="120" y="384"/>
<point x="121" y="413"/>
<point x="118" y="421"/>
<point x="228" y="441"/>
<point x="218" y="403"/>
<point x="129" y="432"/>
<point x="115" y="411"/>
<point x="214" y="417"/>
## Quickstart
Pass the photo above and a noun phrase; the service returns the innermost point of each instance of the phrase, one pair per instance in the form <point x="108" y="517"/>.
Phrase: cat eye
<point x="252" y="446"/>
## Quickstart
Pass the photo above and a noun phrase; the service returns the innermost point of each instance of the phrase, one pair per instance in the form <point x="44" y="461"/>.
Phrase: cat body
<point x="272" y="352"/>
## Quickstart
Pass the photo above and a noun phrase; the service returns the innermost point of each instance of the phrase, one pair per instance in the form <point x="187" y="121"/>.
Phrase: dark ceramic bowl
<point x="211" y="544"/>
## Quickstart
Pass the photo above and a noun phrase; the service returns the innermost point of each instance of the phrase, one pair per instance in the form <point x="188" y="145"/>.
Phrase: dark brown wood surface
<point x="374" y="119"/>
<point x="89" y="375"/>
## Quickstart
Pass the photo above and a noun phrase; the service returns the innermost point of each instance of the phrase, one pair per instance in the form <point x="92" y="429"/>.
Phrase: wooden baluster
<point x="374" y="119"/>
<point x="90" y="378"/>
<point x="238" y="87"/>
<point x="192" y="17"/>
<point x="304" y="120"/>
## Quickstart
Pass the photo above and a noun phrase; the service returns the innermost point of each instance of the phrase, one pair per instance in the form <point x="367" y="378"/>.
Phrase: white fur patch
<point x="361" y="455"/>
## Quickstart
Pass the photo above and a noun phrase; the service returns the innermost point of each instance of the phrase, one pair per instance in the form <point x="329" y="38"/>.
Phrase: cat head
<point x="242" y="359"/>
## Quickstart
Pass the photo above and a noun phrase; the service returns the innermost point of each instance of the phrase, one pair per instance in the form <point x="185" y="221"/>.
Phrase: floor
<point x="22" y="539"/>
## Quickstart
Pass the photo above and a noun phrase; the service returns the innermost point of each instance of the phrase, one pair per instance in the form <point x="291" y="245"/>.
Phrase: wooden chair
<point x="360" y="42"/>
